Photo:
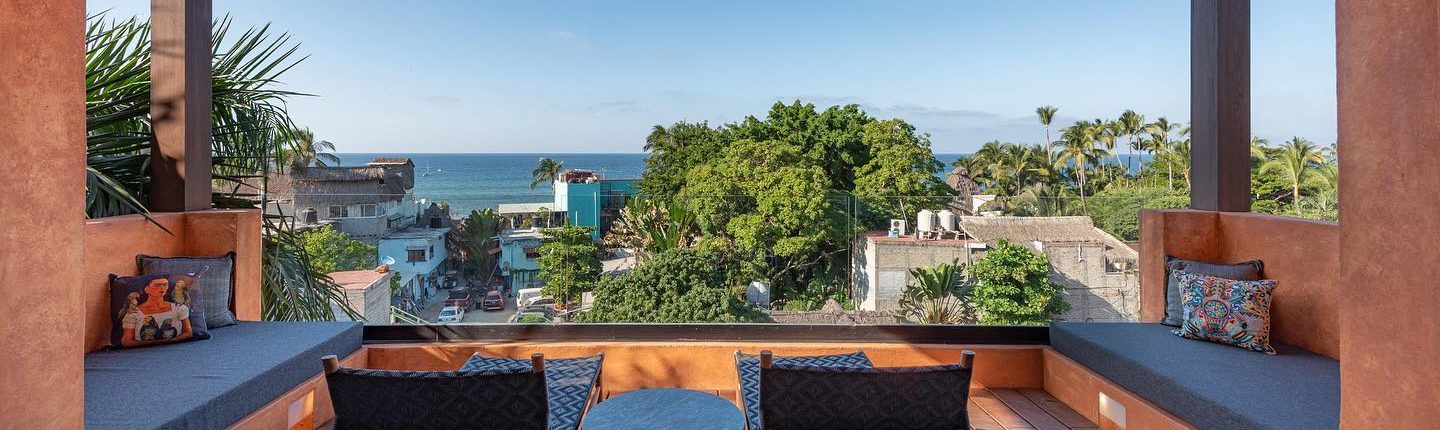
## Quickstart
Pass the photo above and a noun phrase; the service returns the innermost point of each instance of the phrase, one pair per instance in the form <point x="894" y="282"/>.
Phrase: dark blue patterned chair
<point x="573" y="383"/>
<point x="747" y="367"/>
<point x="801" y="397"/>
<point x="367" y="399"/>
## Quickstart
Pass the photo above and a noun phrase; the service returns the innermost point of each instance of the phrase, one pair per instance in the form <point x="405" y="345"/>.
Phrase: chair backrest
<point x="808" y="397"/>
<point x="390" y="399"/>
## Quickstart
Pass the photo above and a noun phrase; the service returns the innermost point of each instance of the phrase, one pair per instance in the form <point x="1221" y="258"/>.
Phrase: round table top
<point x="665" y="408"/>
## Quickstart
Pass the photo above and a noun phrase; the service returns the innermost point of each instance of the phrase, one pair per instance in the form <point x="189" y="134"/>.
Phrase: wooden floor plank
<point x="1057" y="409"/>
<point x="1031" y="412"/>
<point x="981" y="420"/>
<point x="997" y="409"/>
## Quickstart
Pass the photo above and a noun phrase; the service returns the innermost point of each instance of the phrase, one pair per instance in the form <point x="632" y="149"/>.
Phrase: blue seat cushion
<point x="1205" y="384"/>
<point x="568" y="383"/>
<point x="747" y="367"/>
<point x="209" y="384"/>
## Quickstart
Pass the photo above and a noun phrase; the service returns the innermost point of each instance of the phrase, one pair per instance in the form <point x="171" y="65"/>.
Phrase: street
<point x="432" y="310"/>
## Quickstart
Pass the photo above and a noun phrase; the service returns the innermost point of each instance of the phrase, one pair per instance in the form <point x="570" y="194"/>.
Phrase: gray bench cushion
<point x="208" y="384"/>
<point x="1208" y="385"/>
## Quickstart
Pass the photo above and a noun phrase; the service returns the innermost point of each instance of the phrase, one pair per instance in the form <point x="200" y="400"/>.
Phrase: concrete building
<point x="1097" y="269"/>
<point x="417" y="256"/>
<point x="519" y="263"/>
<point x="367" y="292"/>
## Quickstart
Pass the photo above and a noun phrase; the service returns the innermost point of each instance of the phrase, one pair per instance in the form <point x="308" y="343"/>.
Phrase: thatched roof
<point x="1049" y="230"/>
<point x="959" y="180"/>
<point x="324" y="186"/>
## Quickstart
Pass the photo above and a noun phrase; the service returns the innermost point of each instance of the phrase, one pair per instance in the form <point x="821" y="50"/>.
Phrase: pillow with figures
<point x="155" y="309"/>
<point x="1226" y="311"/>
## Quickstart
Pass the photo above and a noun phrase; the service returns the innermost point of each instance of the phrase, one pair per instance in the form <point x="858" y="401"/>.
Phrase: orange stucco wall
<point x="710" y="366"/>
<point x="42" y="128"/>
<point x="111" y="245"/>
<point x="1303" y="255"/>
<point x="1388" y="75"/>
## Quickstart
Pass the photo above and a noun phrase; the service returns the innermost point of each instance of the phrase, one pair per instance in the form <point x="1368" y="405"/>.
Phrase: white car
<point x="451" y="314"/>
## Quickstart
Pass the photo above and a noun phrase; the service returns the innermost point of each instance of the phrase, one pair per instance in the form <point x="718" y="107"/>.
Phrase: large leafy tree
<point x="1012" y="286"/>
<point x="332" y="250"/>
<point x="569" y="262"/>
<point x="784" y="193"/>
<point x="248" y="123"/>
<point x="678" y="286"/>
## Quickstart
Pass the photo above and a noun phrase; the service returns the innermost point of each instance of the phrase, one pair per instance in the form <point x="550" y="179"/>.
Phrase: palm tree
<point x="1108" y="132"/>
<point x="548" y="170"/>
<point x="248" y="122"/>
<point x="1079" y="151"/>
<point x="1047" y="114"/>
<point x="1258" y="145"/>
<point x="1299" y="161"/>
<point x="301" y="149"/>
<point x="938" y="295"/>
<point x="1131" y="123"/>
<point x="1161" y="145"/>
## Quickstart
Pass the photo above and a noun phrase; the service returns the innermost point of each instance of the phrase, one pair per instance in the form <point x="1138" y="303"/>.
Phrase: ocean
<point x="476" y="181"/>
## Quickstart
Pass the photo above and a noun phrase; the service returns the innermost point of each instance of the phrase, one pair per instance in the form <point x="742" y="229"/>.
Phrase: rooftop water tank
<point x="309" y="216"/>
<point x="947" y="220"/>
<point x="925" y="221"/>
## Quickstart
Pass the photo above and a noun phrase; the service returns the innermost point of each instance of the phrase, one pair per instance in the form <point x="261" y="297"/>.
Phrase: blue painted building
<point x="590" y="201"/>
<point x="519" y="263"/>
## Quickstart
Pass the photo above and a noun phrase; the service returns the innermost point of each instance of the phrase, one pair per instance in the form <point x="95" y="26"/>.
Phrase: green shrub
<point x="1012" y="286"/>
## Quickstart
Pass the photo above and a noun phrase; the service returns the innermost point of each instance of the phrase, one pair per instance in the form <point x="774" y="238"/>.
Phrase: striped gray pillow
<point x="216" y="281"/>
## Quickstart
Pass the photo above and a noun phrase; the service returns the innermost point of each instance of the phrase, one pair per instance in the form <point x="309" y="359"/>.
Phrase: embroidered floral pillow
<point x="155" y="309"/>
<point x="1226" y="311"/>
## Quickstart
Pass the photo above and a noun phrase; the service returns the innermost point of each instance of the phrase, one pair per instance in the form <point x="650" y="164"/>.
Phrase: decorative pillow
<point x="216" y="281"/>
<point x="748" y="368"/>
<point x="1227" y="311"/>
<point x="155" y="309"/>
<point x="1247" y="271"/>
<point x="567" y="380"/>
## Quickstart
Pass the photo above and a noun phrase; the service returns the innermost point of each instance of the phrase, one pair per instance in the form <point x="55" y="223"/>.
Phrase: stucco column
<point x="42" y="214"/>
<point x="1388" y="60"/>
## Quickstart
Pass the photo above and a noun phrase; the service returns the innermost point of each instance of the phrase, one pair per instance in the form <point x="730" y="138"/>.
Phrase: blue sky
<point x="590" y="76"/>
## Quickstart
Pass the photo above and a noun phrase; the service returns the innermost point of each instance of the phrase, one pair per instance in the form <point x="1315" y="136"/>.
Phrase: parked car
<point x="524" y="296"/>
<point x="493" y="301"/>
<point x="461" y="298"/>
<point x="452" y="314"/>
<point x="527" y="317"/>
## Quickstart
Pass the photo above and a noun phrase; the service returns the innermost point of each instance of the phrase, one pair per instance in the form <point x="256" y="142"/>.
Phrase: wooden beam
<point x="180" y="105"/>
<point x="1220" y="105"/>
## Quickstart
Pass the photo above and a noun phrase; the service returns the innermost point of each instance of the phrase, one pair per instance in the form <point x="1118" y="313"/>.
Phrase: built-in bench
<point x="1205" y="384"/>
<point x="209" y="384"/>
<point x="1143" y="374"/>
<point x="253" y="375"/>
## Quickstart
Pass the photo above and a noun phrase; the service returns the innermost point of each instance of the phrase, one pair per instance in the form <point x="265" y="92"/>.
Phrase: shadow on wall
<point x="1115" y="299"/>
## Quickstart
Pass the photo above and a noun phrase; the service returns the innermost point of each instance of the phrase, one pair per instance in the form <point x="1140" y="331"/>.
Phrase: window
<point x="367" y="210"/>
<point x="414" y="255"/>
<point x="339" y="211"/>
<point x="532" y="253"/>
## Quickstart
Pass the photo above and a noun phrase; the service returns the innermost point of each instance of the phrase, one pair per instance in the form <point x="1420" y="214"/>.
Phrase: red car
<point x="493" y="301"/>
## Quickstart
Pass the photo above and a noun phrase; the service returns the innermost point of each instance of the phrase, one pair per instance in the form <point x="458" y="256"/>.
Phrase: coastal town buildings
<point x="583" y="197"/>
<point x="374" y="203"/>
<point x="1096" y="269"/>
